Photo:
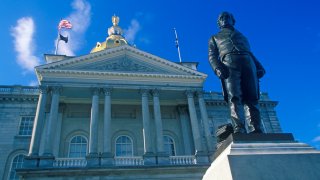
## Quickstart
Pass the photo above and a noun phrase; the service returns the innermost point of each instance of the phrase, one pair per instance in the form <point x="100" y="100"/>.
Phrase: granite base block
<point x="264" y="156"/>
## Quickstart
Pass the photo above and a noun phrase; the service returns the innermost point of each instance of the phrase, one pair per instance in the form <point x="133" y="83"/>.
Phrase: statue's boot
<point x="237" y="116"/>
<point x="239" y="128"/>
<point x="253" y="117"/>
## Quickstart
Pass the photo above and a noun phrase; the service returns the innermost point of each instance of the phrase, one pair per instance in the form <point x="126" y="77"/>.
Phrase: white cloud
<point x="131" y="32"/>
<point x="24" y="43"/>
<point x="316" y="139"/>
<point x="80" y="19"/>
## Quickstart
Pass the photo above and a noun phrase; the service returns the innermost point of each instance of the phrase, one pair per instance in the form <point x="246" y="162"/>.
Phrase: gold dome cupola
<point x="114" y="39"/>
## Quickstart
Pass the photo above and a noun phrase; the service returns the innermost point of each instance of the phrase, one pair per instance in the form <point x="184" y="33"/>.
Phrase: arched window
<point x="169" y="145"/>
<point x="16" y="163"/>
<point x="78" y="146"/>
<point x="124" y="147"/>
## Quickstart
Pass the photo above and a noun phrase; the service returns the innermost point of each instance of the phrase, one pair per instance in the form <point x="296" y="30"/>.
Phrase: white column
<point x="204" y="116"/>
<point x="38" y="122"/>
<point x="185" y="128"/>
<point x="146" y="122"/>
<point x="52" y="121"/>
<point x="57" y="133"/>
<point x="107" y="121"/>
<point x="194" y="122"/>
<point x="93" y="139"/>
<point x="158" y="121"/>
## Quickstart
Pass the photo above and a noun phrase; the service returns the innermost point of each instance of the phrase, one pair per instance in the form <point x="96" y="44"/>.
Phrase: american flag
<point x="65" y="24"/>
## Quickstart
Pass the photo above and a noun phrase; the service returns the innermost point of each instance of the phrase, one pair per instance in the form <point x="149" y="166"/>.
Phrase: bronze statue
<point x="232" y="61"/>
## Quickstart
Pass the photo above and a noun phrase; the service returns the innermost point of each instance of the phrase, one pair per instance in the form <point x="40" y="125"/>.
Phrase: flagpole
<point x="57" y="44"/>
<point x="177" y="43"/>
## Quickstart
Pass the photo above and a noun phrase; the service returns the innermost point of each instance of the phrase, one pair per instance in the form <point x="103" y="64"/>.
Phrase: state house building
<point x="115" y="113"/>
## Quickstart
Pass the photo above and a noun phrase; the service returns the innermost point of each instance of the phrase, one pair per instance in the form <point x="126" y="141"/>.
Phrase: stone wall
<point x="74" y="118"/>
<point x="14" y="104"/>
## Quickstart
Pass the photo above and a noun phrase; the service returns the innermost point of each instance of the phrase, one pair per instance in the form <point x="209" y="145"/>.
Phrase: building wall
<point x="74" y="119"/>
<point x="11" y="143"/>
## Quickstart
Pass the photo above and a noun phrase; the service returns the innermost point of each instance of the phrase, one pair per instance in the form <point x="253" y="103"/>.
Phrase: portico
<point x="146" y="103"/>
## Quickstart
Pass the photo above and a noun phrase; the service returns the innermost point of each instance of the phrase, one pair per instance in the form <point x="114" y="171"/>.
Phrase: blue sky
<point x="284" y="36"/>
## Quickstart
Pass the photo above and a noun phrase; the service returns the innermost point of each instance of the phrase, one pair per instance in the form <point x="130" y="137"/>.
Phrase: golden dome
<point x="114" y="39"/>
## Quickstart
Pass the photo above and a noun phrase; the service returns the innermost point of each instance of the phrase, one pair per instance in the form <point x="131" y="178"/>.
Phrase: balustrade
<point x="69" y="162"/>
<point x="122" y="161"/>
<point x="182" y="160"/>
<point x="129" y="161"/>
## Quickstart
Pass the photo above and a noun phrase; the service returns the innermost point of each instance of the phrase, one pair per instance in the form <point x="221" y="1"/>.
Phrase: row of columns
<point x="197" y="139"/>
<point x="107" y="122"/>
<point x="93" y="139"/>
<point x="93" y="154"/>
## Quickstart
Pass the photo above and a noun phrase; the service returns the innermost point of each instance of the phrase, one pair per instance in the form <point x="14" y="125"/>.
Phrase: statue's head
<point x="226" y="20"/>
<point x="115" y="20"/>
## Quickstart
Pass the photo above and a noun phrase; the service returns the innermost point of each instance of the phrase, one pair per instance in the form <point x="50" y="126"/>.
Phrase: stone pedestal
<point x="163" y="158"/>
<point x="149" y="159"/>
<point x="107" y="159"/>
<point x="31" y="162"/>
<point x="264" y="156"/>
<point x="202" y="157"/>
<point x="46" y="161"/>
<point x="93" y="160"/>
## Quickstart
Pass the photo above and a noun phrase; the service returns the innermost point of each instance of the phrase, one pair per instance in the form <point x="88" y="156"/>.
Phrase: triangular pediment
<point x="123" y="63"/>
<point x="119" y="63"/>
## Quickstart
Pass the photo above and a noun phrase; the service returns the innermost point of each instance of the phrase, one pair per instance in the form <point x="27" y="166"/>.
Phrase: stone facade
<point x="116" y="113"/>
<point x="74" y="119"/>
<point x="15" y="102"/>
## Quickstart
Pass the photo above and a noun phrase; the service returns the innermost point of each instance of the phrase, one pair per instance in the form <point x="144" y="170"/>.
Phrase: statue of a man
<point x="232" y="61"/>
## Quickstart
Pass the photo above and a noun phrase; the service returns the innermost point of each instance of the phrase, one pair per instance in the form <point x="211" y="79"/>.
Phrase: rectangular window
<point x="26" y="125"/>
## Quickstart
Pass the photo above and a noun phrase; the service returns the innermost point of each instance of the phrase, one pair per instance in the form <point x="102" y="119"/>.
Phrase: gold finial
<point x="114" y="39"/>
<point x="115" y="20"/>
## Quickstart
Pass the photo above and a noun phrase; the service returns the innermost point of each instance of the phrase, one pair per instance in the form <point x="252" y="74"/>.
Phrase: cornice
<point x="216" y="99"/>
<point x="224" y="103"/>
<point x="115" y="74"/>
<point x="215" y="103"/>
<point x="20" y="98"/>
